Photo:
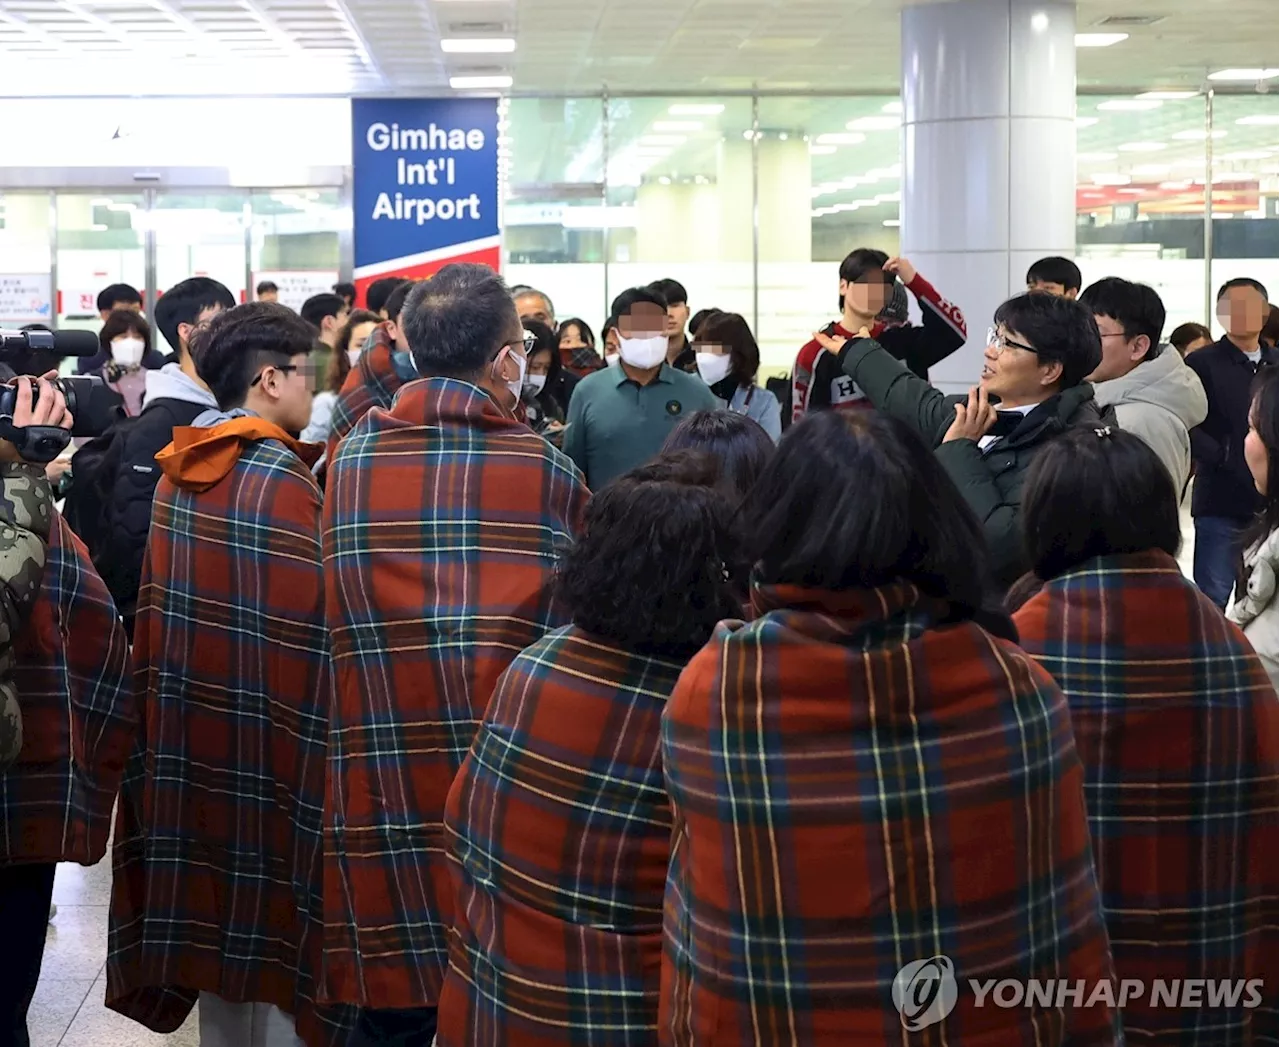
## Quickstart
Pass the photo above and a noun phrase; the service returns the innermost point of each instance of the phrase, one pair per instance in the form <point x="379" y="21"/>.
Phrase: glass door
<point x="201" y="234"/>
<point x="101" y="241"/>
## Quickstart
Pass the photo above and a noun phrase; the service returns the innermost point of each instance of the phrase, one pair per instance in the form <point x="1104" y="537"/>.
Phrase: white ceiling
<point x="176" y="47"/>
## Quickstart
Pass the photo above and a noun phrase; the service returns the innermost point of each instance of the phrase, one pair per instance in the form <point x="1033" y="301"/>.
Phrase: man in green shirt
<point x="620" y="417"/>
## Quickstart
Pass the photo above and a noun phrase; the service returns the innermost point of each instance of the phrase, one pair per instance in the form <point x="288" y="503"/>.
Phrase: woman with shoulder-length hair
<point x="865" y="779"/>
<point x="558" y="823"/>
<point x="1176" y="724"/>
<point x="728" y="361"/>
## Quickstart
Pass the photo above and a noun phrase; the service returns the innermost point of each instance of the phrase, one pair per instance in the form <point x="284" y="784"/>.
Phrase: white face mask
<point x="127" y="352"/>
<point x="714" y="367"/>
<point x="535" y="383"/>
<point x="353" y="355"/>
<point x="643" y="353"/>
<point x="610" y="359"/>
<point x="516" y="385"/>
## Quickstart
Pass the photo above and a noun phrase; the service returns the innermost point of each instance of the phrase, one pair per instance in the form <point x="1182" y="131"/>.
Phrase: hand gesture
<point x="973" y="419"/>
<point x="49" y="408"/>
<point x="834" y="345"/>
<point x="901" y="268"/>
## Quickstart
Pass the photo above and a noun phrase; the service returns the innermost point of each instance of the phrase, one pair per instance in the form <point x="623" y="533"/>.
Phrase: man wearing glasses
<point x="220" y="813"/>
<point x="443" y="519"/>
<point x="1038" y="355"/>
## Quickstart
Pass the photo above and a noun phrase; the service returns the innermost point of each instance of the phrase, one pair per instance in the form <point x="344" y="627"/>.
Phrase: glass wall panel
<point x="1140" y="195"/>
<point x="839" y="162"/>
<point x="1246" y="173"/>
<point x="294" y="241"/>
<point x="553" y="202"/>
<point x="101" y="241"/>
<point x="201" y="234"/>
<point x="26" y="295"/>
<point x="680" y="198"/>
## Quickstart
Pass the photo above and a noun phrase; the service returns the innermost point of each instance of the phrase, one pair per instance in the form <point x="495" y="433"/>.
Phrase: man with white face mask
<point x="620" y="417"/>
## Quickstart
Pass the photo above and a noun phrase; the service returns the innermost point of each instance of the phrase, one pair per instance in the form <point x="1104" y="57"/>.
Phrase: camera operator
<point x="26" y="512"/>
<point x="68" y="667"/>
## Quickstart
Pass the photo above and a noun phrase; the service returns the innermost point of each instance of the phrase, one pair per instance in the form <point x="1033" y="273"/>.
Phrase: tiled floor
<point x="68" y="1010"/>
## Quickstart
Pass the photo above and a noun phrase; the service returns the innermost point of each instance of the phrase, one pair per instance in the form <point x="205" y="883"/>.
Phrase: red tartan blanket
<point x="443" y="520"/>
<point x="372" y="382"/>
<point x="72" y="677"/>
<point x="559" y="833"/>
<point x="858" y="787"/>
<point x="1176" y="724"/>
<point x="217" y="874"/>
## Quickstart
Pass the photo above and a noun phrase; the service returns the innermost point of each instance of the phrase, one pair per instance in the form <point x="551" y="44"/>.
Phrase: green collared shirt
<point x="615" y="424"/>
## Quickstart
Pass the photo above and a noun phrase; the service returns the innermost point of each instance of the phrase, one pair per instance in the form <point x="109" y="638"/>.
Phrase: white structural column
<point x="989" y="141"/>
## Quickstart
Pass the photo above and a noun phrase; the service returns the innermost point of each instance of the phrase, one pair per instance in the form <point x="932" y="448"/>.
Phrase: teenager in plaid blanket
<point x="558" y="824"/>
<point x="217" y="845"/>
<point x="864" y="778"/>
<point x="443" y="520"/>
<point x="1176" y="723"/>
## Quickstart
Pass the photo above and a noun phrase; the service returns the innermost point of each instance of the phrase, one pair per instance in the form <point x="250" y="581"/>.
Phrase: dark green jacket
<point x="990" y="483"/>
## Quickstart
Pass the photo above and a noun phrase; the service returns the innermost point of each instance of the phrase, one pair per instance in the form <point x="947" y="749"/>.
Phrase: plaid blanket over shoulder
<point x="858" y="787"/>
<point x="559" y="831"/>
<point x="443" y="521"/>
<point x="1176" y="724"/>
<point x="217" y="875"/>
<point x="72" y="673"/>
<point x="372" y="382"/>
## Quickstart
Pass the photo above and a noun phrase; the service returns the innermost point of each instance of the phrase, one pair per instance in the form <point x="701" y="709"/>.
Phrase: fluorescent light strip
<point x="479" y="83"/>
<point x="479" y="46"/>
<point x="1099" y="39"/>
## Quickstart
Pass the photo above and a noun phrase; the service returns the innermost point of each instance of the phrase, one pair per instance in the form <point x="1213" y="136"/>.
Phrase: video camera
<point x="88" y="398"/>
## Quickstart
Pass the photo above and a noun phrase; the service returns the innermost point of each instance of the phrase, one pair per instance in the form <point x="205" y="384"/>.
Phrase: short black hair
<point x="109" y="296"/>
<point x="543" y="336"/>
<point x="265" y="286"/>
<point x="1096" y="491"/>
<point x="1243" y="281"/>
<point x="318" y="306"/>
<point x="394" y="305"/>
<point x="863" y="260"/>
<point x="672" y="290"/>
<point x="1264" y="415"/>
<point x="698" y="319"/>
<point x="375" y="299"/>
<point x="184" y="302"/>
<point x="346" y="291"/>
<point x="855" y="500"/>
<point x="648" y="570"/>
<point x="633" y="296"/>
<point x="740" y="448"/>
<point x="122" y="321"/>
<point x="1135" y="307"/>
<point x="1062" y="330"/>
<point x="454" y="321"/>
<point x="1056" y="270"/>
<point x="237" y="344"/>
<point x="1184" y="334"/>
<point x="584" y="330"/>
<point x="734" y="333"/>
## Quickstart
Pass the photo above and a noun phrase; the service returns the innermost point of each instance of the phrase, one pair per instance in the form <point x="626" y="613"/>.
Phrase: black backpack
<point x="95" y="466"/>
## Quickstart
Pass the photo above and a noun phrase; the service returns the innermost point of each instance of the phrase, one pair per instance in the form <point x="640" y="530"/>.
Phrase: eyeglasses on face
<point x="308" y="372"/>
<point x="529" y="341"/>
<point x="996" y="340"/>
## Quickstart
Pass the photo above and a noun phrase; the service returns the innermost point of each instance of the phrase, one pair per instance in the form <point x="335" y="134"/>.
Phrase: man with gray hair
<point x="443" y="519"/>
<point x="533" y="304"/>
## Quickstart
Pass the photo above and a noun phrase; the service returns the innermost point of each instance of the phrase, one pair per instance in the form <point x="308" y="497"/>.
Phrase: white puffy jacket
<point x="1255" y="610"/>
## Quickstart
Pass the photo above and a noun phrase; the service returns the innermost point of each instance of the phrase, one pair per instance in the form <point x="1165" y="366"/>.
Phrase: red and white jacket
<point x="817" y="382"/>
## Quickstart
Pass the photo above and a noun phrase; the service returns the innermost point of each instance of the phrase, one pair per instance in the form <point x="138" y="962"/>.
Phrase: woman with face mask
<point x="728" y="361"/>
<point x="346" y="351"/>
<point x="547" y="385"/>
<point x="126" y="338"/>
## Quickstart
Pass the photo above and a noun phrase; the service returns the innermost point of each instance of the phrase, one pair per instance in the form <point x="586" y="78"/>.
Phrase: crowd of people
<point x="447" y="675"/>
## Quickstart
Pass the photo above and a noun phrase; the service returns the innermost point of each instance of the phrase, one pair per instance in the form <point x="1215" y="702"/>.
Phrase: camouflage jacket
<point x="26" y="513"/>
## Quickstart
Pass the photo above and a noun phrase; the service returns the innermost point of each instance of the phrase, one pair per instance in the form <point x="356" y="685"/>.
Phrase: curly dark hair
<point x="651" y="570"/>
